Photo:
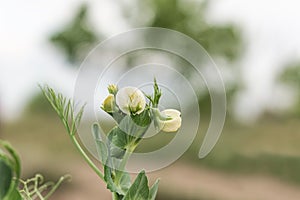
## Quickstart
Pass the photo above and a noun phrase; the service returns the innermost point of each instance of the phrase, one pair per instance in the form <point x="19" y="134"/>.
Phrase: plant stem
<point x="125" y="159"/>
<point x="115" y="196"/>
<point x="86" y="158"/>
<point x="123" y="163"/>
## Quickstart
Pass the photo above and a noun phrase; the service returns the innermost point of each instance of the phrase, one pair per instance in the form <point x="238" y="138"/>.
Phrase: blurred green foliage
<point x="77" y="37"/>
<point x="188" y="17"/>
<point x="291" y="76"/>
<point x="283" y="167"/>
<point x="39" y="106"/>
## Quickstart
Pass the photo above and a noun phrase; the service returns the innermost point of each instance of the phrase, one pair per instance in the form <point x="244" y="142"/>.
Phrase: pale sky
<point x="271" y="30"/>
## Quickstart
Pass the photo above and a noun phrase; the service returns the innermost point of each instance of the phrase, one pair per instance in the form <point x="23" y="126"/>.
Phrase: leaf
<point x="96" y="132"/>
<point x="118" y="138"/>
<point x="5" y="178"/>
<point x="131" y="128"/>
<point x="153" y="190"/>
<point x="13" y="193"/>
<point x="142" y="119"/>
<point x="100" y="144"/>
<point x="109" y="178"/>
<point x="15" y="157"/>
<point x="116" y="152"/>
<point x="139" y="190"/>
<point x="102" y="151"/>
<point x="125" y="181"/>
<point x="9" y="167"/>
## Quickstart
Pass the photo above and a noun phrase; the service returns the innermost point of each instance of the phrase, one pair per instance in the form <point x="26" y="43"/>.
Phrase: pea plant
<point x="133" y="111"/>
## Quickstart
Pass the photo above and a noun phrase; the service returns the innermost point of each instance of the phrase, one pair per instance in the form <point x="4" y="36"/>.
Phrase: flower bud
<point x="109" y="103"/>
<point x="112" y="89"/>
<point x="131" y="100"/>
<point x="172" y="122"/>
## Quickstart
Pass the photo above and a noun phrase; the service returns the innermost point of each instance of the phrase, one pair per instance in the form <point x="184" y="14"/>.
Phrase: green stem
<point x="123" y="163"/>
<point x="125" y="159"/>
<point x="115" y="196"/>
<point x="86" y="158"/>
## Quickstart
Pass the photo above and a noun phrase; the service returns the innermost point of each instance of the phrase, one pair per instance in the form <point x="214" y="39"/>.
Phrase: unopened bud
<point x="109" y="103"/>
<point x="112" y="89"/>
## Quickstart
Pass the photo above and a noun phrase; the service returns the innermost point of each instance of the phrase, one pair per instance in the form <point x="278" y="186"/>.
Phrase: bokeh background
<point x="255" y="44"/>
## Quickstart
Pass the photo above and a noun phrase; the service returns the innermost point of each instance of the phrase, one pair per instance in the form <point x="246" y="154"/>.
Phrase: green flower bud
<point x="112" y="89"/>
<point x="108" y="104"/>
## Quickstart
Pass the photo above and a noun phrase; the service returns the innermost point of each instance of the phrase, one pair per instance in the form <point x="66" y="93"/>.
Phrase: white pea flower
<point x="131" y="100"/>
<point x="172" y="122"/>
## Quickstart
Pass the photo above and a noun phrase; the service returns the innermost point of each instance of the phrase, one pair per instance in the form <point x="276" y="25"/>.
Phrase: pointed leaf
<point x="139" y="190"/>
<point x="153" y="190"/>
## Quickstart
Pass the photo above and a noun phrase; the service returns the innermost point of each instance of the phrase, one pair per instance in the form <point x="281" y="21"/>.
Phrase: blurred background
<point x="255" y="44"/>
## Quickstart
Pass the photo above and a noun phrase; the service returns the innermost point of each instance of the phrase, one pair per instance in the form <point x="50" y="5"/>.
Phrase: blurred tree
<point x="77" y="37"/>
<point x="189" y="17"/>
<point x="291" y="76"/>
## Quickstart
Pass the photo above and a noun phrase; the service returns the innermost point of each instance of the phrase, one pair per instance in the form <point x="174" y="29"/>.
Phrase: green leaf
<point x="109" y="178"/>
<point x="119" y="141"/>
<point x="119" y="138"/>
<point x="142" y="119"/>
<point x="153" y="190"/>
<point x="132" y="128"/>
<point x="139" y="190"/>
<point x="102" y="151"/>
<point x="5" y="178"/>
<point x="125" y="181"/>
<point x="14" y="158"/>
<point x="13" y="193"/>
<point x="11" y="158"/>
<point x="100" y="144"/>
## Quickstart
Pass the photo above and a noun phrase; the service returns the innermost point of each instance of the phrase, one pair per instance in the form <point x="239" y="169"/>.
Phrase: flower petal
<point x="131" y="100"/>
